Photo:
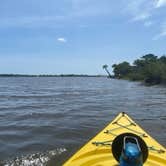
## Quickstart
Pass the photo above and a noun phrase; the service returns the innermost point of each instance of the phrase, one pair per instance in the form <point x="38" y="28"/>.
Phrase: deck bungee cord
<point x="121" y="143"/>
<point x="109" y="142"/>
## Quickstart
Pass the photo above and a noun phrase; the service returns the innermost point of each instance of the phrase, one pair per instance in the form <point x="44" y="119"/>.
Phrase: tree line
<point x="150" y="69"/>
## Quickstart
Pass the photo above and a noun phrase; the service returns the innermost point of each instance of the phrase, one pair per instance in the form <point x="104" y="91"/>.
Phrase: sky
<point x="78" y="36"/>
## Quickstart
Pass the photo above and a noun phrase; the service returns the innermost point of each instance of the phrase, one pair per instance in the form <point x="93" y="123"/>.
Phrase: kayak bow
<point x="107" y="147"/>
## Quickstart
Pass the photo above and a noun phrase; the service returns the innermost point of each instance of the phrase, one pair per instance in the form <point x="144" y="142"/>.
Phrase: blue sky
<point x="78" y="36"/>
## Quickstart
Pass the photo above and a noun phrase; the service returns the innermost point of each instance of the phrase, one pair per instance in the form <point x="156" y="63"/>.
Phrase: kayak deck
<point x="98" y="152"/>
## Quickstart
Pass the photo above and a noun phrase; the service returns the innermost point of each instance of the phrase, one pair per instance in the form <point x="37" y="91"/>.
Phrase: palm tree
<point x="105" y="68"/>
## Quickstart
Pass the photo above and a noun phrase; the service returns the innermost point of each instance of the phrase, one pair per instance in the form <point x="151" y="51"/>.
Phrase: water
<point x="43" y="120"/>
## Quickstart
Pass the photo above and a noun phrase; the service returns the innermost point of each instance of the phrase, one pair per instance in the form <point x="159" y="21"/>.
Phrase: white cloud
<point x="160" y="3"/>
<point x="139" y="10"/>
<point x="76" y="10"/>
<point x="143" y="9"/>
<point x="141" y="16"/>
<point x="62" y="40"/>
<point x="73" y="10"/>
<point x="162" y="33"/>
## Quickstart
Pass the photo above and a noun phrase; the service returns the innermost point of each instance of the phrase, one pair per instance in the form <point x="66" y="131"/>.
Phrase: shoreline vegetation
<point x="50" y="75"/>
<point x="149" y="69"/>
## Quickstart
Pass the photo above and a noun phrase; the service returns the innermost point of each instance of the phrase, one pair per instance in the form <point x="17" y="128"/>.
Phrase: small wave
<point x="36" y="159"/>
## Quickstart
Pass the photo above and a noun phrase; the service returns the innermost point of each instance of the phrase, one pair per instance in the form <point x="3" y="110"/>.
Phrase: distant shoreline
<point x="50" y="75"/>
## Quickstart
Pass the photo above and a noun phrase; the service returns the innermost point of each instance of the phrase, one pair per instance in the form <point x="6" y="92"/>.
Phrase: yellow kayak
<point x="120" y="143"/>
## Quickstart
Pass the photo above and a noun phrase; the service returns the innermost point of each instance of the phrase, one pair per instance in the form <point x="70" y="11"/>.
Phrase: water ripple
<point x="41" y="114"/>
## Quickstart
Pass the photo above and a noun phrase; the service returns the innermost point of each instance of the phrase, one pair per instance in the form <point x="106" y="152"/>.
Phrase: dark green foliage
<point x="149" y="58"/>
<point x="122" y="69"/>
<point x="149" y="68"/>
<point x="163" y="59"/>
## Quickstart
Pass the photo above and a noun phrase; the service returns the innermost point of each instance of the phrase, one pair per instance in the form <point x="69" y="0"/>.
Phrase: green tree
<point x="149" y="68"/>
<point x="149" y="58"/>
<point x="105" y="67"/>
<point x="152" y="73"/>
<point x="122" y="69"/>
<point x="163" y="59"/>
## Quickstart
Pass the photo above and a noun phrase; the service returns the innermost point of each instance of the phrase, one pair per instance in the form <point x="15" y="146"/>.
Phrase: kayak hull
<point x="98" y="151"/>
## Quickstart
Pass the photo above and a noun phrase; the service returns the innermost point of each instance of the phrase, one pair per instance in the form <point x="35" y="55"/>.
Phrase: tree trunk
<point x="108" y="72"/>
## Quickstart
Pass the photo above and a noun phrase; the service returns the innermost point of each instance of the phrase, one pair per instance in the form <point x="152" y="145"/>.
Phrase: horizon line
<point x="50" y="75"/>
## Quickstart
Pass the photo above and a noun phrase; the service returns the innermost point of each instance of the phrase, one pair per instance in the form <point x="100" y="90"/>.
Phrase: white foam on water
<point x="37" y="159"/>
